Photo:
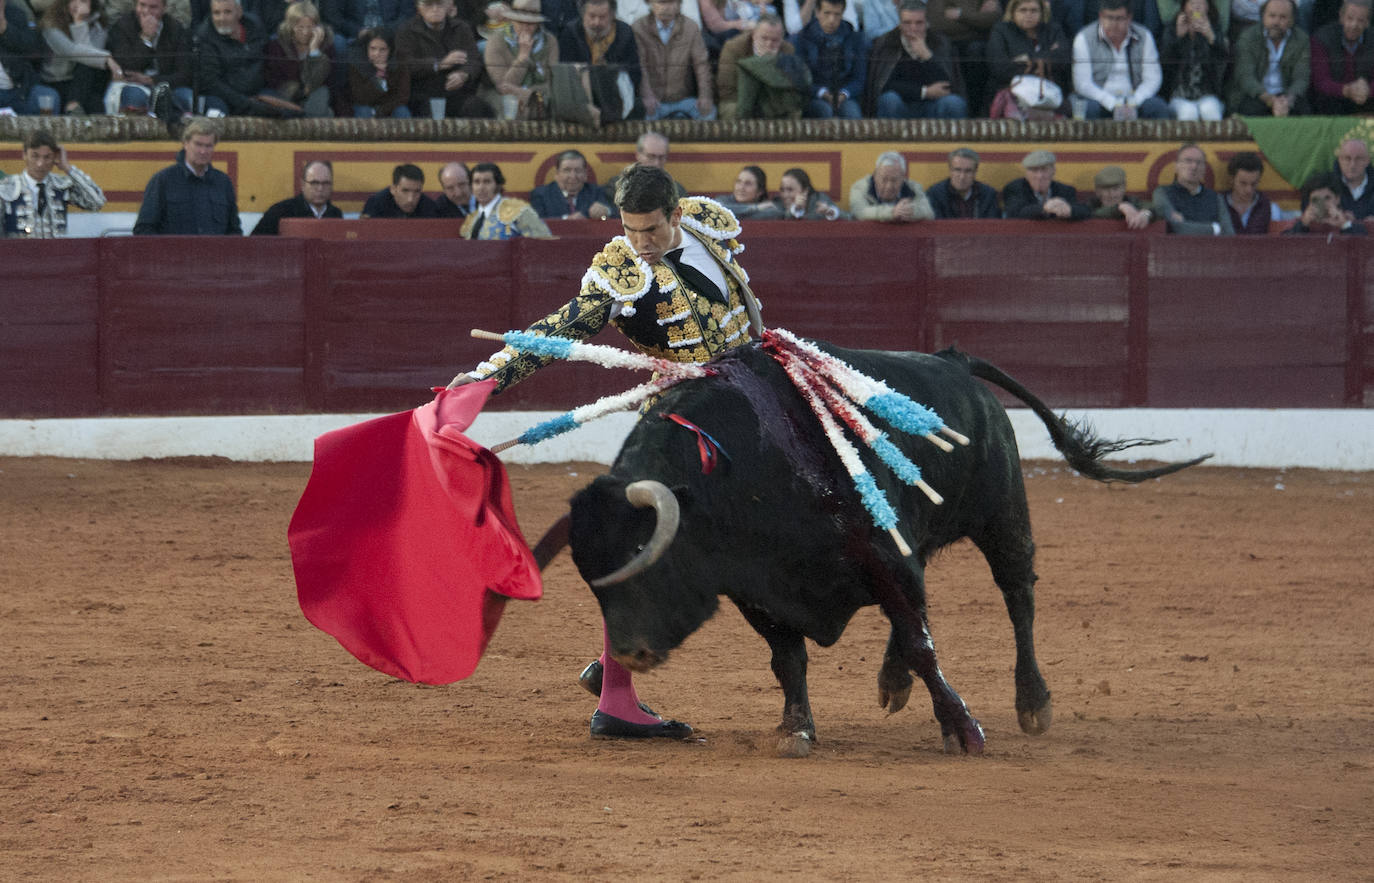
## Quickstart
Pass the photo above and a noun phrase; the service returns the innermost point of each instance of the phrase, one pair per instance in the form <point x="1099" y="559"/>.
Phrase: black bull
<point x="779" y="529"/>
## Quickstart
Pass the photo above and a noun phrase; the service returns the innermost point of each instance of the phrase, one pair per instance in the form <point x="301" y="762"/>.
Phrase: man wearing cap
<point x="1188" y="205"/>
<point x="1110" y="201"/>
<point x="1037" y="196"/>
<point x="961" y="195"/>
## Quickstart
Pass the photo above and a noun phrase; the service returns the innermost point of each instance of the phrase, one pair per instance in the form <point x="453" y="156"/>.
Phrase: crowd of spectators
<point x="596" y="61"/>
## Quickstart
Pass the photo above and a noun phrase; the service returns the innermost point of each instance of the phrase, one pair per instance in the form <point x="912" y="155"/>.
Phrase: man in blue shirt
<point x="191" y="198"/>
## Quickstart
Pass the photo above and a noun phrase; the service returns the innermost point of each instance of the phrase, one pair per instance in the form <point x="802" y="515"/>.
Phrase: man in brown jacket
<point x="764" y="42"/>
<point x="441" y="53"/>
<point x="671" y="49"/>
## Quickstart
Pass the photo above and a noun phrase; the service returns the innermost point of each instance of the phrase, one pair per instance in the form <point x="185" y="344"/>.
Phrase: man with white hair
<point x="888" y="194"/>
<point x="233" y="44"/>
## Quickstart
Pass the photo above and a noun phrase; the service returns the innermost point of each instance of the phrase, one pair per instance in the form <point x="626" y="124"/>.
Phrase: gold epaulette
<point x="620" y="272"/>
<point x="509" y="208"/>
<point x="712" y="221"/>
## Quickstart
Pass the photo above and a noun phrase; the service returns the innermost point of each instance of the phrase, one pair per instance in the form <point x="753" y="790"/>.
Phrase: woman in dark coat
<point x="1194" y="57"/>
<point x="377" y="85"/>
<point x="1028" y="41"/>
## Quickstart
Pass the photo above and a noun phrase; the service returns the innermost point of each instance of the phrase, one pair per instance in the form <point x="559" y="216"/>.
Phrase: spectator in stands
<point x="440" y="51"/>
<point x="569" y="195"/>
<point x="405" y="198"/>
<point x="232" y="53"/>
<point x="888" y="195"/>
<point x="77" y="64"/>
<point x="1188" y="205"/>
<point x="912" y="72"/>
<point x="300" y="58"/>
<point x="1272" y="65"/>
<point x="1321" y="208"/>
<point x="180" y="10"/>
<point x="1109" y="200"/>
<point x="771" y="81"/>
<point x="1343" y="62"/>
<point x="1116" y="67"/>
<point x="151" y="48"/>
<point x="19" y="45"/>
<point x="798" y="200"/>
<point x="378" y="85"/>
<point x="457" y="200"/>
<point x="349" y="18"/>
<point x="1352" y="162"/>
<point x="608" y="45"/>
<point x="962" y="195"/>
<point x="724" y="20"/>
<point x="191" y="197"/>
<point x="834" y="53"/>
<point x="499" y="216"/>
<point x="1073" y="16"/>
<point x="797" y="14"/>
<point x="677" y="79"/>
<point x="1037" y="196"/>
<point x="1195" y="55"/>
<point x="33" y="204"/>
<point x="1028" y="43"/>
<point x="651" y="149"/>
<point x="1251" y="211"/>
<point x="520" y="57"/>
<point x="967" y="24"/>
<point x="317" y="188"/>
<point x="750" y="199"/>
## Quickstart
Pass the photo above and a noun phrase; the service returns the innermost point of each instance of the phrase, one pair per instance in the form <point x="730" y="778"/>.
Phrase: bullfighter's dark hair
<point x="409" y="171"/>
<point x="41" y="138"/>
<point x="645" y="189"/>
<point x="1245" y="161"/>
<point x="495" y="171"/>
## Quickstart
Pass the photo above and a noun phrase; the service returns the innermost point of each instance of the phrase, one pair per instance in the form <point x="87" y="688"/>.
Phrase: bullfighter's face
<point x="653" y="234"/>
<point x="38" y="161"/>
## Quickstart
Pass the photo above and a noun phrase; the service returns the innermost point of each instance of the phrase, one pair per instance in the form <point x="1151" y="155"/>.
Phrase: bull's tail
<point x="1076" y="441"/>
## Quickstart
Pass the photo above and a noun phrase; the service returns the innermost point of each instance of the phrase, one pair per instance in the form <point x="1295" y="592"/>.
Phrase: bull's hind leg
<point x="798" y="730"/>
<point x="901" y="595"/>
<point x="1010" y="553"/>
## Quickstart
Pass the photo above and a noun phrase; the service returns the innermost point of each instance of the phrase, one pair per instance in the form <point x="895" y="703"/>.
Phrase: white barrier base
<point x="1318" y="439"/>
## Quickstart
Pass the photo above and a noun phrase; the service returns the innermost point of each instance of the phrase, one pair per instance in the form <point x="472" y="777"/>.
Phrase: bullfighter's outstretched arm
<point x="579" y="319"/>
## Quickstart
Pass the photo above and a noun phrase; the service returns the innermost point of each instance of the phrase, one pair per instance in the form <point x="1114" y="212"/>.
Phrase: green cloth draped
<point x="1299" y="147"/>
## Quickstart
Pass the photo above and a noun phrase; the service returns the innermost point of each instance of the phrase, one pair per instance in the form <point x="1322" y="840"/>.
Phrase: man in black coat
<point x="962" y="195"/>
<point x="601" y="40"/>
<point x="151" y="48"/>
<point x="317" y="187"/>
<point x="190" y="197"/>
<point x="1357" y="177"/>
<point x="232" y="45"/>
<point x="1037" y="196"/>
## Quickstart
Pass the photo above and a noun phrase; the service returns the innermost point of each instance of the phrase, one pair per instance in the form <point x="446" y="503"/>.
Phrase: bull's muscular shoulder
<point x="617" y="270"/>
<point x="713" y="221"/>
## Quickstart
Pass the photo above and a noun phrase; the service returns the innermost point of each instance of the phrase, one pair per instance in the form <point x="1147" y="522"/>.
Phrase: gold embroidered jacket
<point x="659" y="314"/>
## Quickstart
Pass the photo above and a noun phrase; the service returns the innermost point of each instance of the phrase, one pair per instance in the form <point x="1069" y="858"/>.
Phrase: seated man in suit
<point x="317" y="188"/>
<point x="1037" y="196"/>
<point x="499" y="216"/>
<point x="568" y="195"/>
<point x="962" y="195"/>
<point x="405" y="198"/>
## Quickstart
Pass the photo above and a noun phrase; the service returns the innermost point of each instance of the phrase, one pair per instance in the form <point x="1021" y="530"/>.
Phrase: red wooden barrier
<point x="1087" y="317"/>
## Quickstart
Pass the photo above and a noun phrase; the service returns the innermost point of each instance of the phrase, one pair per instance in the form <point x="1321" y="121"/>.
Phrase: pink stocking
<point x="618" y="697"/>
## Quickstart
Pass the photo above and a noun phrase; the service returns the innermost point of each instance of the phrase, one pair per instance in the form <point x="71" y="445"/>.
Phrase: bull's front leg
<point x="900" y="592"/>
<point x="894" y="678"/>
<point x="798" y="730"/>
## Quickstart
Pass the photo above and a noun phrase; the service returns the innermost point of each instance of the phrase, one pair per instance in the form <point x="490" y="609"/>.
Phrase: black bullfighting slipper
<point x="590" y="679"/>
<point x="605" y="726"/>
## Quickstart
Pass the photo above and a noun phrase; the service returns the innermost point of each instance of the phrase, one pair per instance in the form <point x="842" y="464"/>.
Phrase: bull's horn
<point x="643" y="494"/>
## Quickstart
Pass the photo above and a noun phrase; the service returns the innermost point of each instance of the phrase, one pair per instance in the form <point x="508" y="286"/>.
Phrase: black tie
<point x="695" y="279"/>
<point x="477" y="227"/>
<point x="42" y="207"/>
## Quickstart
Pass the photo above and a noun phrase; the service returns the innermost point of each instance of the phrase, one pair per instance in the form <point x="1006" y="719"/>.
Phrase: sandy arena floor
<point x="168" y="714"/>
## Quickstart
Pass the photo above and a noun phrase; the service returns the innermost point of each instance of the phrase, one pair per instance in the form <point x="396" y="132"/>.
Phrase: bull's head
<point x="623" y="542"/>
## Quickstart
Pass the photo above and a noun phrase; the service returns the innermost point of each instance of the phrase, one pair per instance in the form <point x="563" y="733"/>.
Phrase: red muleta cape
<point x="405" y="544"/>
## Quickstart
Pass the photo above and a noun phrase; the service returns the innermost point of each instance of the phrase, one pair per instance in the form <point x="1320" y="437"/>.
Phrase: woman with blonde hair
<point x="79" y="67"/>
<point x="299" y="59"/>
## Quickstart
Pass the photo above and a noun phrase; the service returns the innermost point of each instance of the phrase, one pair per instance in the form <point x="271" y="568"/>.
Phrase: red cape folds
<point x="405" y="543"/>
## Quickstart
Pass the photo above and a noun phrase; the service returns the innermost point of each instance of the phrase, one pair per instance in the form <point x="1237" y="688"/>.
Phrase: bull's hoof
<point x="967" y="740"/>
<point x="1035" y="722"/>
<point x="794" y="745"/>
<point x="894" y="687"/>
